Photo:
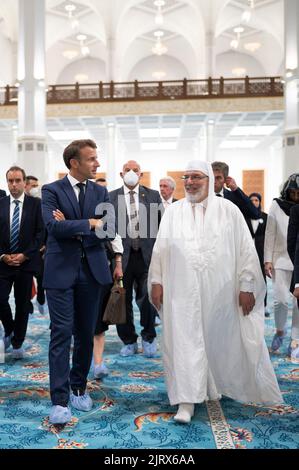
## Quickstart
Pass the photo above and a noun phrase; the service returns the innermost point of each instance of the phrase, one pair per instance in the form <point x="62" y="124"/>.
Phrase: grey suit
<point x="136" y="263"/>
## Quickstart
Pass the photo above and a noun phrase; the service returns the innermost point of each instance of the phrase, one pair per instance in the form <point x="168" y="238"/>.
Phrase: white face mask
<point x="131" y="178"/>
<point x="34" y="192"/>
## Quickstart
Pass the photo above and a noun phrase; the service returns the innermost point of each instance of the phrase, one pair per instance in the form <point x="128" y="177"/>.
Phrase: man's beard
<point x="196" y="197"/>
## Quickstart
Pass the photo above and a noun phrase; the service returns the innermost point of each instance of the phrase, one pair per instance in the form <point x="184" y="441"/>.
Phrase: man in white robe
<point x="206" y="275"/>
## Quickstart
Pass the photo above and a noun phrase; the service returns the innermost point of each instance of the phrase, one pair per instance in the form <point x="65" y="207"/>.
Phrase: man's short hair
<point x="31" y="178"/>
<point x="221" y="166"/>
<point x="16" y="168"/>
<point x="101" y="180"/>
<point x="72" y="151"/>
<point x="170" y="181"/>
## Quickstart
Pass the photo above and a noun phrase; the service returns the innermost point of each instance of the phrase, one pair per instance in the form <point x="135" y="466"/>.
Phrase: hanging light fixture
<point x="84" y="49"/>
<point x="247" y="14"/>
<point x="236" y="41"/>
<point x="159" y="19"/>
<point x="70" y="8"/>
<point x="159" y="48"/>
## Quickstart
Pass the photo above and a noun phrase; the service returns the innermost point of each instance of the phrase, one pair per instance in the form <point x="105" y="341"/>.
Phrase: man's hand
<point x="157" y="295"/>
<point x="8" y="260"/>
<point x="118" y="271"/>
<point x="269" y="269"/>
<point x="58" y="215"/>
<point x="246" y="301"/>
<point x="296" y="292"/>
<point x="14" y="260"/>
<point x="231" y="184"/>
<point x="95" y="223"/>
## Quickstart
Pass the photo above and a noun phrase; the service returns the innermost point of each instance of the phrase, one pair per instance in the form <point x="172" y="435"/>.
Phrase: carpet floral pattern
<point x="131" y="409"/>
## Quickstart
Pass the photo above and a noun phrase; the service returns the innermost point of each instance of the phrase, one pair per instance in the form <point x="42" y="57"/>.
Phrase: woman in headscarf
<point x="278" y="264"/>
<point x="257" y="230"/>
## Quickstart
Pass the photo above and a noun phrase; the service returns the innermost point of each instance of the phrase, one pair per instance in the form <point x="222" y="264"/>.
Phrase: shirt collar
<point x="73" y="180"/>
<point x="221" y="192"/>
<point x="21" y="198"/>
<point x="127" y="190"/>
<point x="168" y="201"/>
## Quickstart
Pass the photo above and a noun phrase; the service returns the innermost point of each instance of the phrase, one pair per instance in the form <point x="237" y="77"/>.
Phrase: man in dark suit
<point x="167" y="187"/>
<point x="234" y="193"/>
<point x="21" y="237"/>
<point x="76" y="269"/>
<point x="138" y="214"/>
<point x="2" y="193"/>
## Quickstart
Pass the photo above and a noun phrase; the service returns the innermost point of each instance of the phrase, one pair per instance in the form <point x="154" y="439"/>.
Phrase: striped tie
<point x="134" y="223"/>
<point x="15" y="226"/>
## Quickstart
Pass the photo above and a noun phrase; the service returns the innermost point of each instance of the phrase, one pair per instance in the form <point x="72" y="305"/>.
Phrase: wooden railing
<point x="155" y="90"/>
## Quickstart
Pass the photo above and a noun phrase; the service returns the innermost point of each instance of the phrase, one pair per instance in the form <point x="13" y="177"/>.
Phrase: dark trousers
<point x="22" y="282"/>
<point x="72" y="311"/>
<point x="136" y="276"/>
<point x="40" y="297"/>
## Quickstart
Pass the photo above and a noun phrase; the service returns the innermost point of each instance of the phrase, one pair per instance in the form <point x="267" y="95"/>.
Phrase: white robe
<point x="209" y="347"/>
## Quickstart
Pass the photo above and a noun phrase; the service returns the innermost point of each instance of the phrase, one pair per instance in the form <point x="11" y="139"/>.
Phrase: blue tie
<point x="15" y="227"/>
<point x="81" y="186"/>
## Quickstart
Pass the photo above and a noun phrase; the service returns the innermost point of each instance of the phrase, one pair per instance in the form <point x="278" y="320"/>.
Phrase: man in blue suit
<point x="234" y="193"/>
<point x="76" y="269"/>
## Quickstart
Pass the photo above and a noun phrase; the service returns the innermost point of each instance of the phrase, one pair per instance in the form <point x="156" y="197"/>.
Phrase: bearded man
<point x="206" y="274"/>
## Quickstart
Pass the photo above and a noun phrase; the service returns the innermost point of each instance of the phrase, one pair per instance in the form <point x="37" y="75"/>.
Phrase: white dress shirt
<point x="167" y="203"/>
<point x="12" y="207"/>
<point x="255" y="224"/>
<point x="127" y="198"/>
<point x="74" y="183"/>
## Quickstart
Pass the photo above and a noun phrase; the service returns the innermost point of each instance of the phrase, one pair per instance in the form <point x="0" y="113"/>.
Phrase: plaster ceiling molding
<point x="59" y="25"/>
<point x="228" y="61"/>
<point x="9" y="17"/>
<point x="171" y="66"/>
<point x="92" y="68"/>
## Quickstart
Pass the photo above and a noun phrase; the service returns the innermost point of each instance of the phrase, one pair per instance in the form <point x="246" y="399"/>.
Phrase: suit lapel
<point x="7" y="216"/>
<point x="24" y="212"/>
<point x="67" y="187"/>
<point x="88" y="200"/>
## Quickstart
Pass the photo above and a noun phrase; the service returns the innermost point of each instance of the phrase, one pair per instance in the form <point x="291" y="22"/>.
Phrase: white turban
<point x="198" y="165"/>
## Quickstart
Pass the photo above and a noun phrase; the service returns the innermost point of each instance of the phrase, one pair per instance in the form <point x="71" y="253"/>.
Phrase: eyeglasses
<point x="193" y="177"/>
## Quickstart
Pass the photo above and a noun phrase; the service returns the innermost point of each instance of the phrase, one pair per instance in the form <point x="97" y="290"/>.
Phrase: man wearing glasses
<point x="206" y="275"/>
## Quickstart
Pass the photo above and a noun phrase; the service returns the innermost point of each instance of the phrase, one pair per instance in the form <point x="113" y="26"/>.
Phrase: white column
<point x="111" y="156"/>
<point x="291" y="132"/>
<point x="112" y="70"/>
<point x="210" y="54"/>
<point x="32" y="146"/>
<point x="211" y="140"/>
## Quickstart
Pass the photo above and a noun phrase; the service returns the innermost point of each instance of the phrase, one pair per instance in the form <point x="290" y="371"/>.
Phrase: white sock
<point x="185" y="413"/>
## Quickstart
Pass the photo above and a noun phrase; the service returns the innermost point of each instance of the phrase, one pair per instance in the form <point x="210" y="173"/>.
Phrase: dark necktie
<point x="15" y="228"/>
<point x="81" y="186"/>
<point x="134" y="223"/>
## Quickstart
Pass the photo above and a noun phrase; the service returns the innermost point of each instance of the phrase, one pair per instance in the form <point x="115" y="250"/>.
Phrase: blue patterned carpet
<point x="131" y="409"/>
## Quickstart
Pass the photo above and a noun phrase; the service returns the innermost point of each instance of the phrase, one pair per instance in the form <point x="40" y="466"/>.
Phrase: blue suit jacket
<point x="64" y="248"/>
<point x="245" y="205"/>
<point x="2" y="193"/>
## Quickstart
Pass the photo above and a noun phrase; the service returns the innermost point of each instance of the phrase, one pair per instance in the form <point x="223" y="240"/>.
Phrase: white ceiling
<point x="186" y="130"/>
<point x="120" y="37"/>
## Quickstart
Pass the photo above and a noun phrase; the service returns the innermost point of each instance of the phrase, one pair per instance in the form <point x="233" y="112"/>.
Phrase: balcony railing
<point x="247" y="87"/>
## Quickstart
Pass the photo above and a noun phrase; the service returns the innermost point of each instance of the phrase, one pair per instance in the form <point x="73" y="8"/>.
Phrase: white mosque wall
<point x="7" y="61"/>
